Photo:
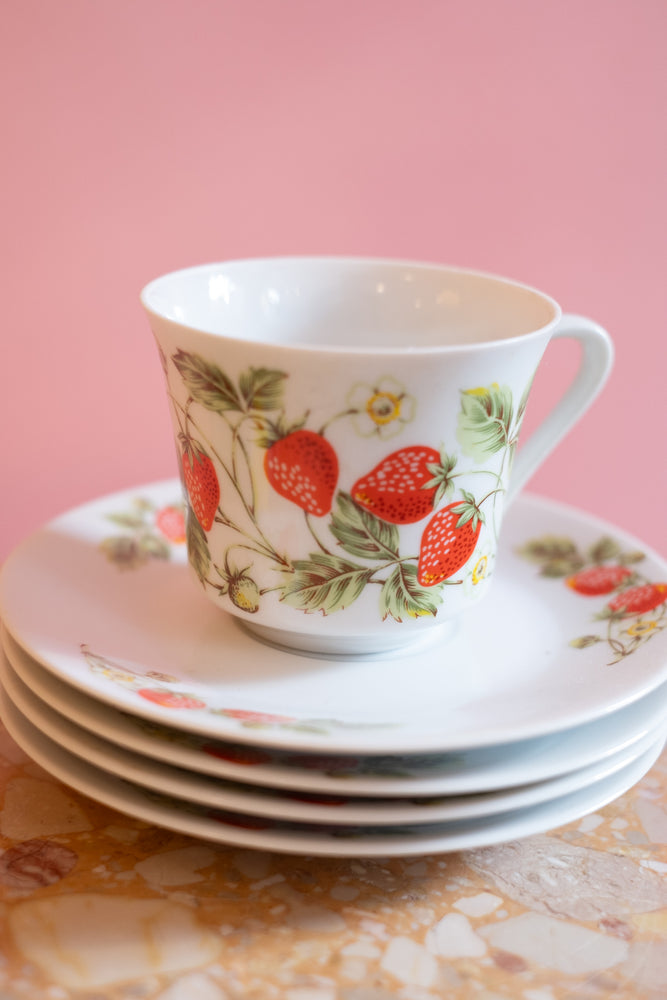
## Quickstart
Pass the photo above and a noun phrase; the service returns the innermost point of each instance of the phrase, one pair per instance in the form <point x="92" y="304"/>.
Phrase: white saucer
<point x="330" y="810"/>
<point x="146" y="641"/>
<point x="462" y="772"/>
<point x="226" y="827"/>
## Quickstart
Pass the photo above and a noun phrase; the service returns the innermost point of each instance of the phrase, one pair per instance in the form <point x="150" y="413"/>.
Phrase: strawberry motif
<point x="201" y="482"/>
<point x="242" y="589"/>
<point x="448" y="541"/>
<point x="170" y="699"/>
<point x="256" y="718"/>
<point x="171" y="522"/>
<point x="406" y="485"/>
<point x="598" y="580"/>
<point x="318" y="800"/>
<point x="239" y="819"/>
<point x="303" y="468"/>
<point x="247" y="756"/>
<point x="244" y="593"/>
<point x="639" y="600"/>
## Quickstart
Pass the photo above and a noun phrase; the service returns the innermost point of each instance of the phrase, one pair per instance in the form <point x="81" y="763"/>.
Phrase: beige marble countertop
<point x="96" y="905"/>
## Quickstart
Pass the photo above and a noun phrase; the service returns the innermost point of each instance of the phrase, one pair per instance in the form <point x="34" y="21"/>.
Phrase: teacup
<point x="346" y="430"/>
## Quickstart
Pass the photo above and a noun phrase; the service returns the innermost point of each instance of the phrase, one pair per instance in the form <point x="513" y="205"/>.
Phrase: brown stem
<point x="338" y="416"/>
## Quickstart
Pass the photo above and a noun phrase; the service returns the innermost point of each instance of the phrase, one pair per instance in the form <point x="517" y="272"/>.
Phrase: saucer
<point x="327" y="810"/>
<point x="462" y="772"/>
<point x="242" y="830"/>
<point x="108" y="605"/>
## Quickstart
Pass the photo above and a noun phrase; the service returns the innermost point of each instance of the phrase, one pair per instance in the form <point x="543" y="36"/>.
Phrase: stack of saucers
<point x="123" y="681"/>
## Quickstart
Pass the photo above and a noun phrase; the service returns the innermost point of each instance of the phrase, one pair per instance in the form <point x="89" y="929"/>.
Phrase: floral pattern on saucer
<point x="634" y="608"/>
<point x="508" y="677"/>
<point x="232" y="827"/>
<point x="337" y="766"/>
<point x="147" y="531"/>
<point x="157" y="688"/>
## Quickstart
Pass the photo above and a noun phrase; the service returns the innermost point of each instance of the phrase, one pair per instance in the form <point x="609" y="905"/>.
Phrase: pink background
<point x="139" y="136"/>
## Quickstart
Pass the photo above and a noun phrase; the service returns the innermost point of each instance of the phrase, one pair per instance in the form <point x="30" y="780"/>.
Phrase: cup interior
<point x="349" y="303"/>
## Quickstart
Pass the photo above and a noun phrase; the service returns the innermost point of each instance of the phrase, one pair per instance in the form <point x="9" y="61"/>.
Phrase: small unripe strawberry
<point x="244" y="594"/>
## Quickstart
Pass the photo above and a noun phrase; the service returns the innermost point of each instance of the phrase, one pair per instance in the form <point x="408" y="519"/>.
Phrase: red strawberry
<point x="239" y="819"/>
<point x="639" y="600"/>
<point x="318" y="800"/>
<point x="201" y="482"/>
<point x="260" y="718"/>
<point x="448" y="541"/>
<point x="170" y="699"/>
<point x="171" y="522"/>
<point x="303" y="468"/>
<point x="237" y="754"/>
<point x="401" y="488"/>
<point x="598" y="580"/>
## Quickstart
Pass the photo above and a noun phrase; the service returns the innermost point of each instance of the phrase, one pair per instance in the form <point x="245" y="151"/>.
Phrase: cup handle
<point x="594" y="367"/>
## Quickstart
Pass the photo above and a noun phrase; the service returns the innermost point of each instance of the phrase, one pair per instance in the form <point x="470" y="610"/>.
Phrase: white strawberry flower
<point x="383" y="408"/>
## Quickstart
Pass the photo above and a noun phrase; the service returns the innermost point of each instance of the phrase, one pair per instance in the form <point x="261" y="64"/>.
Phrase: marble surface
<point x="95" y="905"/>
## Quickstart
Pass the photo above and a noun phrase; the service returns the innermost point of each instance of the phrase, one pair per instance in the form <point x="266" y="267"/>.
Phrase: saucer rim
<point x="128" y="799"/>
<point x="562" y="757"/>
<point x="204" y="791"/>
<point x="347" y="742"/>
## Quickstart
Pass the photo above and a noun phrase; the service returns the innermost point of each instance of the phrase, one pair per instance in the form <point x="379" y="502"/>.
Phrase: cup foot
<point x="348" y="646"/>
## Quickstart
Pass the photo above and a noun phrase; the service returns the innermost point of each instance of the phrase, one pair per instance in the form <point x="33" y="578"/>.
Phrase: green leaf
<point x="484" y="421"/>
<point x="307" y="727"/>
<point x="361" y="533"/>
<point x="467" y="510"/>
<point x="523" y="402"/>
<point x="124" y="552"/>
<point x="142" y="504"/>
<point x="403" y="596"/>
<point x="262" y="388"/>
<point x="198" y="552"/>
<point x="324" y="583"/>
<point x="558" y="568"/>
<point x="271" y="431"/>
<point x="584" y="641"/>
<point x="442" y="480"/>
<point x="628" y="558"/>
<point x="154" y="546"/>
<point x="132" y="521"/>
<point x="512" y="453"/>
<point x="548" y="548"/>
<point x="605" y="548"/>
<point x="206" y="383"/>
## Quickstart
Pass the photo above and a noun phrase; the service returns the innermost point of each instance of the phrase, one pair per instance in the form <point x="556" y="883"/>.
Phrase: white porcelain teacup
<point x="346" y="430"/>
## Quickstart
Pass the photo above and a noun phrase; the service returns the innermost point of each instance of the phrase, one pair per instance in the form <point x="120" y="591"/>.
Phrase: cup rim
<point x="407" y="350"/>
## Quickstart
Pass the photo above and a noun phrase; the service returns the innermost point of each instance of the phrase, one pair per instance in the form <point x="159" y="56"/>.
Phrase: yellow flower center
<point x="383" y="407"/>
<point x="641" y="628"/>
<point x="481" y="390"/>
<point x="479" y="572"/>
